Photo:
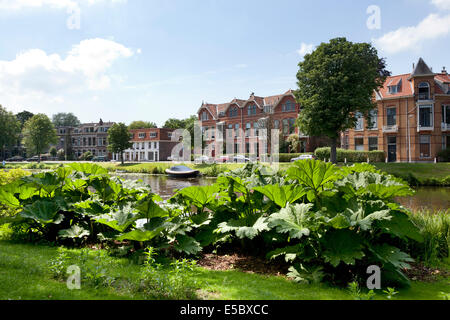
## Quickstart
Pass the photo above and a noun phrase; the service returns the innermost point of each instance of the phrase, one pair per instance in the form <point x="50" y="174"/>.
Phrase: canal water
<point x="425" y="198"/>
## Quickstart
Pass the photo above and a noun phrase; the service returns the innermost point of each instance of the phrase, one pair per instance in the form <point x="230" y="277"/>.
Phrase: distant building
<point x="152" y="144"/>
<point x="86" y="137"/>
<point x="411" y="122"/>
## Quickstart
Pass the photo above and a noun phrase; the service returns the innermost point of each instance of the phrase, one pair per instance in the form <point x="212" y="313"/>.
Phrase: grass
<point x="24" y="275"/>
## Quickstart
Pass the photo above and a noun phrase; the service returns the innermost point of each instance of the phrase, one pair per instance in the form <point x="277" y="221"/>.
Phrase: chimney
<point x="443" y="70"/>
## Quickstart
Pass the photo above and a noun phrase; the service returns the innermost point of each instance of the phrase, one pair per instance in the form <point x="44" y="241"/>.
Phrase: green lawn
<point x="420" y="170"/>
<point x="24" y="275"/>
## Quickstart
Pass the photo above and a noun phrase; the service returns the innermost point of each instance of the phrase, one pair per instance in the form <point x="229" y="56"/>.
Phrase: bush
<point x="351" y="155"/>
<point x="435" y="229"/>
<point x="444" y="155"/>
<point x="87" y="156"/>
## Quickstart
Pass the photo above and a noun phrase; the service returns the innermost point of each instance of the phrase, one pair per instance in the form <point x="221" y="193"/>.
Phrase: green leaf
<point x="400" y="225"/>
<point x="75" y="232"/>
<point x="187" y="245"/>
<point x="200" y="196"/>
<point x="342" y="246"/>
<point x="392" y="255"/>
<point x="8" y="199"/>
<point x="88" y="168"/>
<point x="120" y="218"/>
<point x="242" y="229"/>
<point x="307" y="275"/>
<point x="149" y="209"/>
<point x="295" y="220"/>
<point x="314" y="174"/>
<point x="282" y="195"/>
<point x="140" y="235"/>
<point x="41" y="210"/>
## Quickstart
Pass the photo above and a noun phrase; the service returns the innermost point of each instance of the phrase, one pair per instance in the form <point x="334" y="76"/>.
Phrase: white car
<point x="304" y="157"/>
<point x="240" y="158"/>
<point x="205" y="159"/>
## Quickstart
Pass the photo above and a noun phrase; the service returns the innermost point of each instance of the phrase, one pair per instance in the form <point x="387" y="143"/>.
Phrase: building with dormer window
<point x="412" y="120"/>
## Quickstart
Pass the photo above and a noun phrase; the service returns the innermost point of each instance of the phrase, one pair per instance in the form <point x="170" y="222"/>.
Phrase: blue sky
<point x="125" y="60"/>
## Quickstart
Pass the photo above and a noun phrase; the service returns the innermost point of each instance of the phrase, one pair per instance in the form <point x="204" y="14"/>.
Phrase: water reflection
<point x="425" y="198"/>
<point x="166" y="186"/>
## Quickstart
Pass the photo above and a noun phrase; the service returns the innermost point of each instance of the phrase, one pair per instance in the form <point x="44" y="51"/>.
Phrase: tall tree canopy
<point x="23" y="117"/>
<point x="119" y="139"/>
<point x="142" y="125"/>
<point x="38" y="134"/>
<point x="335" y="81"/>
<point x="9" y="130"/>
<point x="64" y="119"/>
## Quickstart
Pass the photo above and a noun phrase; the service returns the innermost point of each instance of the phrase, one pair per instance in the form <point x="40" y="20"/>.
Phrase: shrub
<point x="87" y="156"/>
<point x="352" y="156"/>
<point x="435" y="229"/>
<point x="444" y="155"/>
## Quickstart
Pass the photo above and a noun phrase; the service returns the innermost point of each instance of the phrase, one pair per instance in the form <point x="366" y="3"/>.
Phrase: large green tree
<point x="65" y="119"/>
<point x="142" y="125"/>
<point x="23" y="117"/>
<point x="9" y="130"/>
<point x="38" y="134"/>
<point x="336" y="81"/>
<point x="119" y="139"/>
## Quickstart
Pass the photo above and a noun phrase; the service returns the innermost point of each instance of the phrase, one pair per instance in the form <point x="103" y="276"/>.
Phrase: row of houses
<point x="411" y="122"/>
<point x="148" y="144"/>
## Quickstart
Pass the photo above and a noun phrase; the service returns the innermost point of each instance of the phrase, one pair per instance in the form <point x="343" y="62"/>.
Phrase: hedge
<point x="351" y="155"/>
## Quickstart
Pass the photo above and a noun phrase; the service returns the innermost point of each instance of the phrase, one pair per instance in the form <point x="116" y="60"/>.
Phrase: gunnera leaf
<point x="342" y="246"/>
<point x="295" y="220"/>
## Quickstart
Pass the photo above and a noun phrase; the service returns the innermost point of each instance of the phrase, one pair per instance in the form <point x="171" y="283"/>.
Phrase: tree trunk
<point x="121" y="157"/>
<point x="333" y="153"/>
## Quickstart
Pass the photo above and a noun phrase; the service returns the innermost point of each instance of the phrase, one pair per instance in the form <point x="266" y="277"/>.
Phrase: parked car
<point x="205" y="159"/>
<point x="15" y="159"/>
<point x="240" y="158"/>
<point x="100" y="159"/>
<point x="36" y="158"/>
<point x="222" y="159"/>
<point x="304" y="157"/>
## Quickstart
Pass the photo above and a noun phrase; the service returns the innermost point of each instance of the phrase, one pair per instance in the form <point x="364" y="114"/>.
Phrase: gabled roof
<point x="212" y="108"/>
<point x="406" y="88"/>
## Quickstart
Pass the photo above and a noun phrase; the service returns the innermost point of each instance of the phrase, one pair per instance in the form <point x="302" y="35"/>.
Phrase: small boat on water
<point x="182" y="172"/>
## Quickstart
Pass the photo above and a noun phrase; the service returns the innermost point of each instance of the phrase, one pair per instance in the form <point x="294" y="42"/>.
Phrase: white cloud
<point x="305" y="48"/>
<point x="37" y="75"/>
<point x="55" y="4"/>
<point x="442" y="4"/>
<point x="407" y="38"/>
<point x="241" y="66"/>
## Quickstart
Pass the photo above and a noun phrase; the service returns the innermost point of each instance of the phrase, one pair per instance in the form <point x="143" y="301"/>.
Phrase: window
<point x="248" y="126"/>
<point x="204" y="116"/>
<point x="267" y="109"/>
<point x="424" y="91"/>
<point x="276" y="124"/>
<point x="446" y="114"/>
<point x="233" y="112"/>
<point x="236" y="129"/>
<point x="169" y="135"/>
<point x="393" y="89"/>
<point x="391" y="114"/>
<point x="230" y="130"/>
<point x="359" y="143"/>
<point x="256" y="128"/>
<point x="285" y="126"/>
<point x="426" y="116"/>
<point x="292" y="125"/>
<point x="251" y="109"/>
<point x="153" y="134"/>
<point x="373" y="119"/>
<point x="288" y="106"/>
<point x="141" y="135"/>
<point x="373" y="143"/>
<point x="425" y="146"/>
<point x="359" y="121"/>
<point x="345" y="143"/>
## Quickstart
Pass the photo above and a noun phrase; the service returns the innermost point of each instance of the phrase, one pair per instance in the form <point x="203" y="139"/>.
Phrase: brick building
<point x="241" y="120"/>
<point x="86" y="137"/>
<point x="412" y="120"/>
<point x="149" y="145"/>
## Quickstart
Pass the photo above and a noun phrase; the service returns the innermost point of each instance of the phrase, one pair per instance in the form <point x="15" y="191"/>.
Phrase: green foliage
<point x="444" y="155"/>
<point x="390" y="293"/>
<point x="141" y="125"/>
<point x="64" y="119"/>
<point x="352" y="156"/>
<point x="118" y="138"/>
<point x="10" y="130"/>
<point x="38" y="133"/>
<point x="358" y="294"/>
<point x="329" y="223"/>
<point x="87" y="156"/>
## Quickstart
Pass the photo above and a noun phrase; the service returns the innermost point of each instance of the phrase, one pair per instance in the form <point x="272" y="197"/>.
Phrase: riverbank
<point x="416" y="174"/>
